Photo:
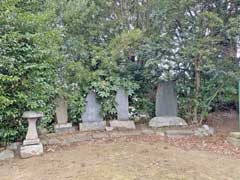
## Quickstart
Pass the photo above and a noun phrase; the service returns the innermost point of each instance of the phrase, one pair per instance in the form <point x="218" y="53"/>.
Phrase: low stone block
<point x="109" y="128"/>
<point x="167" y="121"/>
<point x="179" y="133"/>
<point x="234" y="141"/>
<point x="83" y="137"/>
<point x="31" y="150"/>
<point x="64" y="128"/>
<point x="124" y="134"/>
<point x="91" y="126"/>
<point x="100" y="135"/>
<point x="235" y="135"/>
<point x="6" y="154"/>
<point x="14" y="146"/>
<point x="148" y="132"/>
<point x="122" y="124"/>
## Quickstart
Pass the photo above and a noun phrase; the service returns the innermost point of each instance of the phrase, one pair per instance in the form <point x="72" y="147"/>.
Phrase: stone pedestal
<point x="122" y="112"/>
<point x="234" y="138"/>
<point x="62" y="125"/>
<point x="116" y="124"/>
<point x="167" y="121"/>
<point x="31" y="150"/>
<point x="92" y="126"/>
<point x="31" y="144"/>
<point x="91" y="118"/>
<point x="64" y="128"/>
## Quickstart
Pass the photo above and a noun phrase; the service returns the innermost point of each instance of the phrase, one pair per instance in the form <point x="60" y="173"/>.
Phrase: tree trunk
<point x="197" y="89"/>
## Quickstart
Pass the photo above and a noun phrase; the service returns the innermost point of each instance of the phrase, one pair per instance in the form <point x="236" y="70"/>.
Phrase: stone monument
<point x="122" y="111"/>
<point x="62" y="117"/>
<point x="91" y="118"/>
<point x="166" y="107"/>
<point x="166" y="99"/>
<point x="31" y="145"/>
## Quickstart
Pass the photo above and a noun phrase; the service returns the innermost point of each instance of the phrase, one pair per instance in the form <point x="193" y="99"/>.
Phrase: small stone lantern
<point x="31" y="145"/>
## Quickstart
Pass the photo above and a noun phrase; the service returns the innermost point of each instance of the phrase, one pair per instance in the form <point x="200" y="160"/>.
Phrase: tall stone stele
<point x="91" y="118"/>
<point x="62" y="125"/>
<point x="166" y="107"/>
<point x="122" y="107"/>
<point x="31" y="145"/>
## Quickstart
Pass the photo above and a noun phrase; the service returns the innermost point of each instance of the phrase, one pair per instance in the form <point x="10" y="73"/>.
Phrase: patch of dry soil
<point x="123" y="161"/>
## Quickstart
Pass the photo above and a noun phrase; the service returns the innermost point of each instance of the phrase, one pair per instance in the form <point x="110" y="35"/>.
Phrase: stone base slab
<point x="31" y="150"/>
<point x="31" y="141"/>
<point x="179" y="133"/>
<point x="64" y="128"/>
<point x="122" y="124"/>
<point x="92" y="126"/>
<point x="235" y="135"/>
<point x="167" y="121"/>
<point x="234" y="141"/>
<point x="6" y="154"/>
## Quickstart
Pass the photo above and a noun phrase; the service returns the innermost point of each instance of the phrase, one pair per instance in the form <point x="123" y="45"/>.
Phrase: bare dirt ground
<point x="134" y="158"/>
<point x="121" y="160"/>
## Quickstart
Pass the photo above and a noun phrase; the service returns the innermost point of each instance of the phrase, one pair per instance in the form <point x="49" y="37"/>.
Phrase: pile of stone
<point x="234" y="138"/>
<point x="205" y="130"/>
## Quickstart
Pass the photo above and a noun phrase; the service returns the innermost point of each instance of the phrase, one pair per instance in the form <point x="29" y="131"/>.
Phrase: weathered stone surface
<point x="109" y="128"/>
<point x="122" y="124"/>
<point x="166" y="99"/>
<point x="124" y="133"/>
<point x="83" y="137"/>
<point x="6" y="154"/>
<point x="14" y="146"/>
<point x="167" y="121"/>
<point x="61" y="111"/>
<point x="100" y="135"/>
<point x="205" y="130"/>
<point x="235" y="135"/>
<point x="148" y="132"/>
<point x="31" y="150"/>
<point x="32" y="114"/>
<point x="64" y="128"/>
<point x="122" y="105"/>
<point x="234" y="141"/>
<point x="31" y="141"/>
<point x="90" y="126"/>
<point x="92" y="112"/>
<point x="178" y="133"/>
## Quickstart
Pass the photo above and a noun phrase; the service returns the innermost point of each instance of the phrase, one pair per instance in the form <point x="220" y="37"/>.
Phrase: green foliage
<point x="27" y="65"/>
<point x="51" y="48"/>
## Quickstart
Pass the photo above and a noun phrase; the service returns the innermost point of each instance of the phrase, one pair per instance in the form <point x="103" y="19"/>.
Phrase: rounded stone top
<point x="32" y="114"/>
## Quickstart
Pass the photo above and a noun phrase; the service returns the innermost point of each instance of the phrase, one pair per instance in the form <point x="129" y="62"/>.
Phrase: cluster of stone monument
<point x="166" y="112"/>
